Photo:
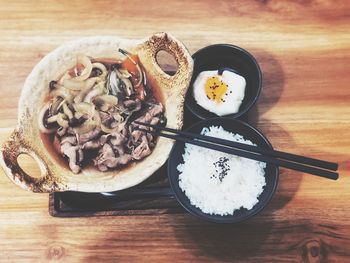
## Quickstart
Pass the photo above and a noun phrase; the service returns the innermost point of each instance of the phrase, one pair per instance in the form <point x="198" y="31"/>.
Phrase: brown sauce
<point x="47" y="140"/>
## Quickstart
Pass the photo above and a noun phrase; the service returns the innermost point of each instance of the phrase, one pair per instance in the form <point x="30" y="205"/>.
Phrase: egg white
<point x="232" y="99"/>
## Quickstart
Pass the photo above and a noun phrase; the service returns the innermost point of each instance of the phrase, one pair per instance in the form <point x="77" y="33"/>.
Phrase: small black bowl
<point x="228" y="57"/>
<point x="248" y="132"/>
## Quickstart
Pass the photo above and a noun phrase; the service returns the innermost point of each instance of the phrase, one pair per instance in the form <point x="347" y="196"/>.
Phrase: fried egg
<point x="221" y="94"/>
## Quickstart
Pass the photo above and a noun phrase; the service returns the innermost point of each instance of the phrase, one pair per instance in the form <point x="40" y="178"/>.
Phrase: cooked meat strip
<point x="136" y="135"/>
<point x="118" y="149"/>
<point x="83" y="138"/>
<point x="142" y="150"/>
<point x="117" y="138"/>
<point x="106" y="118"/>
<point x="156" y="109"/>
<point x="115" y="162"/>
<point x="74" y="154"/>
<point x="70" y="139"/>
<point x="146" y="118"/>
<point x="154" y="121"/>
<point x="105" y="153"/>
<point x="133" y="105"/>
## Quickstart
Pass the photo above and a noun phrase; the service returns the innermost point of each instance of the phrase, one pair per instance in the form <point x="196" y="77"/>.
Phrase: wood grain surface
<point x="303" y="48"/>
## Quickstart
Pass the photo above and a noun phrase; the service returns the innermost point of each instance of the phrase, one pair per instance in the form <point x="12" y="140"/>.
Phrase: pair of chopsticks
<point x="291" y="161"/>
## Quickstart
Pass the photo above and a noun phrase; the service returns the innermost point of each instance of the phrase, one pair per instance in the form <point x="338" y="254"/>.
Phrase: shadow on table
<point x="272" y="85"/>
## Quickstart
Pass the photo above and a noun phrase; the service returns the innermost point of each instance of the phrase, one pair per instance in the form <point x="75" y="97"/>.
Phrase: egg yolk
<point x="215" y="89"/>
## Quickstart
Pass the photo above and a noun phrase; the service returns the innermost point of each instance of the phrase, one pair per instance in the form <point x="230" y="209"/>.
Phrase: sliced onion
<point x="56" y="105"/>
<point x="64" y="93"/>
<point x="61" y="104"/>
<point x="61" y="120"/>
<point x="105" y="129"/>
<point x="101" y="67"/>
<point x="125" y="73"/>
<point x="84" y="108"/>
<point x="67" y="111"/>
<point x="85" y="127"/>
<point x="118" y="128"/>
<point x="63" y="78"/>
<point x="139" y="71"/>
<point x="78" y="115"/>
<point x="96" y="91"/>
<point x="86" y="62"/>
<point x="88" y="85"/>
<point x="41" y="115"/>
<point x="140" y="74"/>
<point x="129" y="90"/>
<point x="52" y="119"/>
<point x="73" y="84"/>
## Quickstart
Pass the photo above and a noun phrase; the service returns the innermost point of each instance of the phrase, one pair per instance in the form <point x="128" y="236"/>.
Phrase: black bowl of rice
<point x="216" y="186"/>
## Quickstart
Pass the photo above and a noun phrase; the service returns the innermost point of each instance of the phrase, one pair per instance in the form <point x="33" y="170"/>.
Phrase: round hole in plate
<point x="167" y="62"/>
<point x="29" y="165"/>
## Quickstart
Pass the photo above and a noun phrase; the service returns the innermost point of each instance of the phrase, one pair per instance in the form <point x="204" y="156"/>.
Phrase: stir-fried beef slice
<point x="104" y="138"/>
<point x="156" y="109"/>
<point x="115" y="162"/>
<point x="83" y="138"/>
<point x="105" y="153"/>
<point x="136" y="135"/>
<point x="118" y="150"/>
<point x="70" y="139"/>
<point x="74" y="154"/>
<point x="106" y="118"/>
<point x="142" y="150"/>
<point x="154" y="121"/>
<point x="150" y="116"/>
<point x="107" y="157"/>
<point x="133" y="105"/>
<point x="117" y="138"/>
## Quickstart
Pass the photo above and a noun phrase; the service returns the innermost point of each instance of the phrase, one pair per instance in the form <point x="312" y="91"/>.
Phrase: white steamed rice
<point x="213" y="190"/>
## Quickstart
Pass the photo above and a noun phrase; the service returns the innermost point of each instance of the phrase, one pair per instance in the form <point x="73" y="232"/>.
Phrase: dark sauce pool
<point x="48" y="139"/>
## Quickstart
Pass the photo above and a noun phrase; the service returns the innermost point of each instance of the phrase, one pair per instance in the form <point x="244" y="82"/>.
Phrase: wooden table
<point x="303" y="48"/>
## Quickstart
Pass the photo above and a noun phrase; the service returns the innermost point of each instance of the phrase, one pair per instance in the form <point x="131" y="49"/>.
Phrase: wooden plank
<point x="303" y="48"/>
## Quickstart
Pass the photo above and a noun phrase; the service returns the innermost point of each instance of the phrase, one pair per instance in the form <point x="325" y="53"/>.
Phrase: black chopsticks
<point x="283" y="159"/>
